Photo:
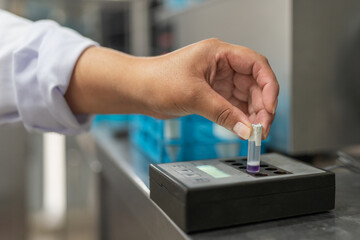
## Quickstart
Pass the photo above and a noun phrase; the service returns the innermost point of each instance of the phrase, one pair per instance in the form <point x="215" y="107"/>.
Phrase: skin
<point x="230" y="85"/>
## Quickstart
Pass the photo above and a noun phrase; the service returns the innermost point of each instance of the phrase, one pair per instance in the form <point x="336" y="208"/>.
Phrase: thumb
<point x="217" y="109"/>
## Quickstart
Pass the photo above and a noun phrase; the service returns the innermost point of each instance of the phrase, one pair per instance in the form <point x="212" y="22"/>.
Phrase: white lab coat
<point x="36" y="63"/>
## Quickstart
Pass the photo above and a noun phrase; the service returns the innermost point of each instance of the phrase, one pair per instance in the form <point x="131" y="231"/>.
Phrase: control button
<point x="191" y="175"/>
<point x="177" y="166"/>
<point x="184" y="171"/>
<point x="200" y="180"/>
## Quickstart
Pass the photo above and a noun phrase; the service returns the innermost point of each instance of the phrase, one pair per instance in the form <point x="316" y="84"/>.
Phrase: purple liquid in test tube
<point x="254" y="149"/>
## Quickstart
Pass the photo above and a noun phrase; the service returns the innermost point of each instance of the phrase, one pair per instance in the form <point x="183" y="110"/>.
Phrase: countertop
<point x="341" y="223"/>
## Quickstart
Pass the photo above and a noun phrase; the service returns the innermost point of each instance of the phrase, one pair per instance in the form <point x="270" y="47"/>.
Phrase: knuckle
<point x="212" y="41"/>
<point x="265" y="59"/>
<point x="223" y="116"/>
<point x="275" y="85"/>
<point x="249" y="51"/>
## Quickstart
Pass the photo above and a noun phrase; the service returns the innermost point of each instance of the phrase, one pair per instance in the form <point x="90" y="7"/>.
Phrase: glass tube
<point x="254" y="149"/>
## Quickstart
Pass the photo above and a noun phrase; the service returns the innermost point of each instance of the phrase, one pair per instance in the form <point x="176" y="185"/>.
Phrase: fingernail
<point x="275" y="106"/>
<point x="242" y="130"/>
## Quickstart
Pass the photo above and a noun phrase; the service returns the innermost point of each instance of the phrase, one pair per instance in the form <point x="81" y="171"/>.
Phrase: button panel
<point x="177" y="166"/>
<point x="200" y="180"/>
<point x="182" y="171"/>
<point x="191" y="175"/>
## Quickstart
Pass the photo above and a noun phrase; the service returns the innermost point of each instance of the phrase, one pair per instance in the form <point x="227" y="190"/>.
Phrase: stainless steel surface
<point x="314" y="49"/>
<point x="12" y="184"/>
<point x="82" y="178"/>
<point x="119" y="24"/>
<point x="140" y="28"/>
<point x="325" y="85"/>
<point x="127" y="210"/>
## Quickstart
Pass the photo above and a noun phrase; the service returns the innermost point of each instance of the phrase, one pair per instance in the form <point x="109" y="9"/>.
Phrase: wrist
<point x="106" y="81"/>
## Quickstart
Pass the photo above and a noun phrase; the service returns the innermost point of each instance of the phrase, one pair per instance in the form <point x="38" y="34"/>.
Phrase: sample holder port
<point x="266" y="169"/>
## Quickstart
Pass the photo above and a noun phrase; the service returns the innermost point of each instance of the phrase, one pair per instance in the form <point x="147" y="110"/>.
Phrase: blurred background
<point x="49" y="186"/>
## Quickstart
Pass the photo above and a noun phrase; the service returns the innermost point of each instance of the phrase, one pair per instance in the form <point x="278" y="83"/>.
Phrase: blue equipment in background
<point x="182" y="139"/>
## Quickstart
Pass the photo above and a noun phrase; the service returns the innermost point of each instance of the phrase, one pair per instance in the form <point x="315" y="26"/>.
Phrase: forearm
<point x="108" y="81"/>
<point x="225" y="83"/>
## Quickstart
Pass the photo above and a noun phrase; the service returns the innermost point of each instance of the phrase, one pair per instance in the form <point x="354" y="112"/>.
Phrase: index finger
<point x="246" y="61"/>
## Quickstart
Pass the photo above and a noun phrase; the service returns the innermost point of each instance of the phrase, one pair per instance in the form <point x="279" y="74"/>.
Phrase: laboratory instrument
<point x="254" y="149"/>
<point x="207" y="194"/>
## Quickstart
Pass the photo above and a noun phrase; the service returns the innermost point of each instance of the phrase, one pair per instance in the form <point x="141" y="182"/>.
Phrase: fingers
<point x="242" y="105"/>
<point x="270" y="88"/>
<point x="255" y="99"/>
<point x="265" y="119"/>
<point x="247" y="62"/>
<point x="243" y="82"/>
<point x="216" y="108"/>
<point x="222" y="87"/>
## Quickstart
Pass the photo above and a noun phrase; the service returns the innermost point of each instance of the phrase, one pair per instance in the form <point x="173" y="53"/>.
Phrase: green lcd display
<point x="213" y="171"/>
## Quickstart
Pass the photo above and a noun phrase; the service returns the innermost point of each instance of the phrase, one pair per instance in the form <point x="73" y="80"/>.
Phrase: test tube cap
<point x="256" y="134"/>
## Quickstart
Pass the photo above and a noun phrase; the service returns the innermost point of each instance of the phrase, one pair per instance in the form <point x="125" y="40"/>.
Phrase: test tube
<point x="254" y="147"/>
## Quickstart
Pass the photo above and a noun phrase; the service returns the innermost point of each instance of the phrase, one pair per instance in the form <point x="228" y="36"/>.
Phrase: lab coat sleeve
<point x="37" y="61"/>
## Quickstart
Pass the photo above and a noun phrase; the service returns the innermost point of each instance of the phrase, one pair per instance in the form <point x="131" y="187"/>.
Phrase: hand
<point x="230" y="85"/>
